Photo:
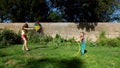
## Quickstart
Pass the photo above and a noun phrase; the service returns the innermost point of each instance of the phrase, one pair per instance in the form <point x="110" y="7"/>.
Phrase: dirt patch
<point x="11" y="61"/>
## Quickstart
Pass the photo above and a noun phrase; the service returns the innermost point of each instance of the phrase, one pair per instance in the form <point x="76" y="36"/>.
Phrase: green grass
<point x="41" y="56"/>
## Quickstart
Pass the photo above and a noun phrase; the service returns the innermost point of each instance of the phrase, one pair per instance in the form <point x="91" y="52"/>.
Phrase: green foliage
<point x="8" y="37"/>
<point x="109" y="42"/>
<point x="102" y="34"/>
<point x="113" y="42"/>
<point x="18" y="39"/>
<point x="56" y="17"/>
<point x="33" y="36"/>
<point x="84" y="10"/>
<point x="65" y="10"/>
<point x="104" y="41"/>
<point x="17" y="10"/>
<point x="58" y="41"/>
<point x="91" y="43"/>
<point x="38" y="38"/>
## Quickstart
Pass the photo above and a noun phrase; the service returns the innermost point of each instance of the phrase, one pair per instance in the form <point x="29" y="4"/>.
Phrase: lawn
<point x="65" y="56"/>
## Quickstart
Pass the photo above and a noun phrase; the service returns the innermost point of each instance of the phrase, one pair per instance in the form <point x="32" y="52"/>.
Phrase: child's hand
<point x="31" y="28"/>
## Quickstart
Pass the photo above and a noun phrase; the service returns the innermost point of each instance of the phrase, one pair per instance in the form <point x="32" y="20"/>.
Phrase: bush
<point x="91" y="44"/>
<point x="109" y="42"/>
<point x="18" y="38"/>
<point x="33" y="37"/>
<point x="37" y="38"/>
<point x="58" y="41"/>
<point x="104" y="41"/>
<point x="102" y="34"/>
<point x="8" y="37"/>
<point x="113" y="42"/>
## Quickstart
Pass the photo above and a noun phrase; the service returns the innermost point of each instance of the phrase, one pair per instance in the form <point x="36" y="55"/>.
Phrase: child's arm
<point x="77" y="40"/>
<point x="28" y="28"/>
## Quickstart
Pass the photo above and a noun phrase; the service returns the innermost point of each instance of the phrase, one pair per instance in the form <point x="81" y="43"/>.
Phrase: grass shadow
<point x="55" y="63"/>
<point x="39" y="47"/>
<point x="3" y="54"/>
<point x="1" y="47"/>
<point x="44" y="47"/>
<point x="73" y="63"/>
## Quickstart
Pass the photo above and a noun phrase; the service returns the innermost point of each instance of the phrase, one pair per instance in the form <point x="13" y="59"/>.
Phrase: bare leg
<point x="23" y="47"/>
<point x="25" y="44"/>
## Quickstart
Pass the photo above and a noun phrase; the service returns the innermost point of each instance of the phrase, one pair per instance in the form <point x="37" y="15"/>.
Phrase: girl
<point x="24" y="37"/>
<point x="83" y="44"/>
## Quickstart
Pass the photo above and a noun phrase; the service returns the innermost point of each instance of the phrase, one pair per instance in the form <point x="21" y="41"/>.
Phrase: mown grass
<point x="48" y="56"/>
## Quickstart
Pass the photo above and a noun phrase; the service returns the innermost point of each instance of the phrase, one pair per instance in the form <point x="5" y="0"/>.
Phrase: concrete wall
<point x="69" y="30"/>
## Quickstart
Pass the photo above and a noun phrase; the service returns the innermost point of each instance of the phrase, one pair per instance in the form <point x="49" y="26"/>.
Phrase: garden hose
<point x="76" y="54"/>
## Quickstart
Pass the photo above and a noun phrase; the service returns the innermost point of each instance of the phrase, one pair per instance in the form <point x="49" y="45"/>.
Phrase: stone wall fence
<point x="70" y="30"/>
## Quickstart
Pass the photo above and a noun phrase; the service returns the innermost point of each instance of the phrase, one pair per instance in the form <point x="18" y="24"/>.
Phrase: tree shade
<point x="57" y="10"/>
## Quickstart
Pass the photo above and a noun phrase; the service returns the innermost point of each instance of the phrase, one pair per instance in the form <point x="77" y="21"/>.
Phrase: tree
<point x="54" y="16"/>
<point x="84" y="10"/>
<point x="22" y="10"/>
<point x="57" y="10"/>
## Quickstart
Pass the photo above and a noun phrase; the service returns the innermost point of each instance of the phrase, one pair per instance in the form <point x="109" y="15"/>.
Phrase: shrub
<point x="33" y="37"/>
<point x="102" y="34"/>
<point x="8" y="37"/>
<point x="113" y="42"/>
<point x="18" y="38"/>
<point x="104" y="41"/>
<point x="37" y="38"/>
<point x="91" y="44"/>
<point x="0" y="35"/>
<point x="58" y="40"/>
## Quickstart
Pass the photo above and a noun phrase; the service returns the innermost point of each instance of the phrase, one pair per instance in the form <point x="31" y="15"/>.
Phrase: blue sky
<point x="116" y="15"/>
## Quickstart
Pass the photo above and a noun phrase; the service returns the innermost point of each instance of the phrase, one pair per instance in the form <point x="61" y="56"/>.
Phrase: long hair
<point x="25" y="26"/>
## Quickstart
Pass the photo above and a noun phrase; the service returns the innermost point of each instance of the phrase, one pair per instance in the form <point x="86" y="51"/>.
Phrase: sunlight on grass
<point x="45" y="56"/>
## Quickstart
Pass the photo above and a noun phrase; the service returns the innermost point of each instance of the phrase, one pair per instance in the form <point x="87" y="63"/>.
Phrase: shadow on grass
<point x="44" y="47"/>
<point x="1" y="47"/>
<point x="3" y="54"/>
<point x="55" y="63"/>
<point x="39" y="47"/>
